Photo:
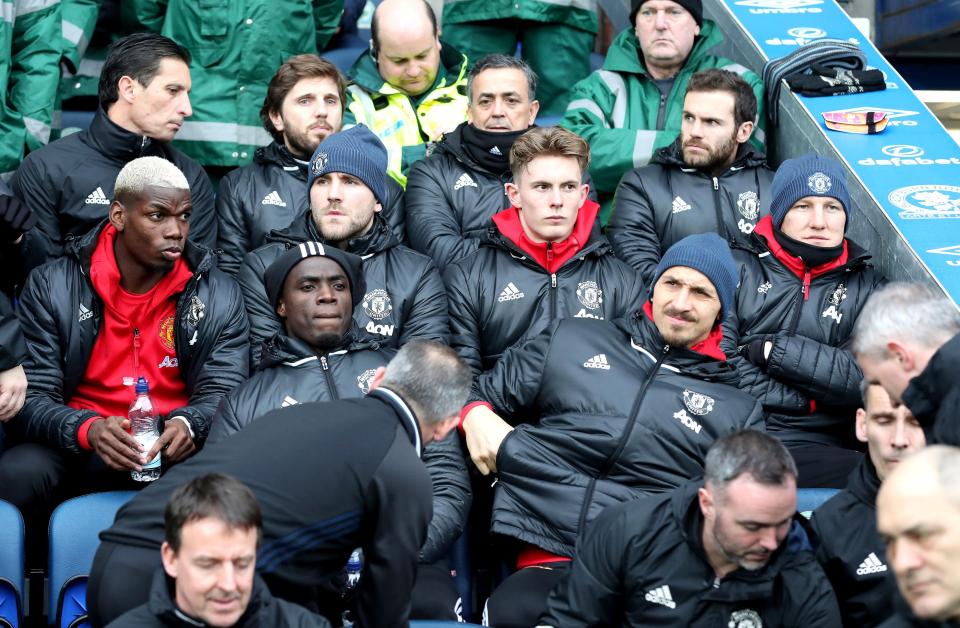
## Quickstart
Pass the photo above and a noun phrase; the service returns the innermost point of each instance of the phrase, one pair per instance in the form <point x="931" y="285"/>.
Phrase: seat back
<point x="11" y="566"/>
<point x="74" y="537"/>
<point x="809" y="499"/>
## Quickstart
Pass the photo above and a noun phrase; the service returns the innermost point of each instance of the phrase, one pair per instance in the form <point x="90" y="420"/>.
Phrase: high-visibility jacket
<point x="405" y="124"/>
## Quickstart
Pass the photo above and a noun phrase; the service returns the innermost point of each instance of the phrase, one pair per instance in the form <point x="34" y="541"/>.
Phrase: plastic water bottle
<point x="354" y="567"/>
<point x="145" y="424"/>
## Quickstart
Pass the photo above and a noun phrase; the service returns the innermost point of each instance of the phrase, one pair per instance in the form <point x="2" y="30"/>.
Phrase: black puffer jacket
<point x="269" y="194"/>
<point x="500" y="294"/>
<point x="810" y="386"/>
<point x="210" y="334"/>
<point x="621" y="415"/>
<point x="450" y="199"/>
<point x="291" y="373"/>
<point x="657" y="205"/>
<point x="851" y="552"/>
<point x="68" y="185"/>
<point x="405" y="298"/>
<point x="263" y="610"/>
<point x="644" y="564"/>
<point x="933" y="396"/>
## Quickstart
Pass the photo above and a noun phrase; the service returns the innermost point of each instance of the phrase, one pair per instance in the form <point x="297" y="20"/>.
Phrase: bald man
<point x="411" y="88"/>
<point x="918" y="508"/>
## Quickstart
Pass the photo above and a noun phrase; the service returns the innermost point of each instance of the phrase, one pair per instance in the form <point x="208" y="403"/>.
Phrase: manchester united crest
<point x="747" y="618"/>
<point x="697" y="403"/>
<point x="166" y="334"/>
<point x="838" y="295"/>
<point x="319" y="163"/>
<point x="748" y="204"/>
<point x="590" y="294"/>
<point x="819" y="183"/>
<point x="377" y="304"/>
<point x="363" y="380"/>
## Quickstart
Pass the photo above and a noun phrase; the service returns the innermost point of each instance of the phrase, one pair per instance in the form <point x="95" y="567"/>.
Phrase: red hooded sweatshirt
<point x="136" y="338"/>
<point x="764" y="229"/>
<point x="550" y="255"/>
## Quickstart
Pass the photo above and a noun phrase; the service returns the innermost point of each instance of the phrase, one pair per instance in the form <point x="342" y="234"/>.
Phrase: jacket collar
<point x="764" y="233"/>
<point x="162" y="605"/>
<point x="405" y="414"/>
<point x="112" y="140"/>
<point x="927" y="390"/>
<point x="199" y="258"/>
<point x="378" y="239"/>
<point x="276" y="154"/>
<point x="283" y="349"/>
<point x="864" y="482"/>
<point x="552" y="256"/>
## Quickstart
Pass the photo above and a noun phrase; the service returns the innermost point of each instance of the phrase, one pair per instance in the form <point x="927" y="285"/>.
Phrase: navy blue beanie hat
<point x="709" y="254"/>
<point x="810" y="175"/>
<point x="276" y="273"/>
<point x="356" y="151"/>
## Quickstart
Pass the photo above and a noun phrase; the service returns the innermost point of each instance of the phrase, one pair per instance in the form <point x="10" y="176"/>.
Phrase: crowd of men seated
<point x="647" y="335"/>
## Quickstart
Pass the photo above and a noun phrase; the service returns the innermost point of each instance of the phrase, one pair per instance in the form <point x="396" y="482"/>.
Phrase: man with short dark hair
<point x="452" y="193"/>
<point x="144" y="99"/>
<point x="321" y="356"/>
<point x="212" y="532"/>
<point x="619" y="409"/>
<point x="723" y="548"/>
<point x="411" y="88"/>
<point x="709" y="180"/>
<point x="917" y="509"/>
<point x="303" y="106"/>
<point x="803" y="284"/>
<point x="542" y="258"/>
<point x="908" y="340"/>
<point x="851" y="552"/>
<point x="132" y="298"/>
<point x="326" y="487"/>
<point x="633" y="106"/>
<point x="405" y="298"/>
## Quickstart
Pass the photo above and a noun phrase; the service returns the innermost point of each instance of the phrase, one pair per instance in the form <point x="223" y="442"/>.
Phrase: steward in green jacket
<point x="633" y="105"/>
<point x="29" y="76"/>
<point x="236" y="46"/>
<point x="410" y="89"/>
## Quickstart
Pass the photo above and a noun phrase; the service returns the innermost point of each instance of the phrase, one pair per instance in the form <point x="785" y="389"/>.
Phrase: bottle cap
<point x="142" y="387"/>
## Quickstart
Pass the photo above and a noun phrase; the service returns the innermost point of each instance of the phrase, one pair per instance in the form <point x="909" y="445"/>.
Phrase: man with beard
<point x="303" y="106"/>
<point x="908" y="341"/>
<point x="346" y="185"/>
<point x="320" y="356"/>
<point x="132" y="298"/>
<point x="803" y="284"/>
<point x="851" y="552"/>
<point x="710" y="179"/>
<point x="649" y="562"/>
<point x="632" y="106"/>
<point x="620" y="409"/>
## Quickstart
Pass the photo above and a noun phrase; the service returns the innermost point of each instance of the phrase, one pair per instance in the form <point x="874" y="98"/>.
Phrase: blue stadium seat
<point x="343" y="58"/>
<point x="809" y="499"/>
<point x="423" y="623"/>
<point x="11" y="566"/>
<point x="74" y="536"/>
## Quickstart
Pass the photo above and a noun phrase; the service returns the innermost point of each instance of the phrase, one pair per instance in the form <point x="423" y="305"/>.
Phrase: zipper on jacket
<point x="325" y="367"/>
<point x="721" y="225"/>
<point x="136" y="353"/>
<point x="627" y="431"/>
<point x="798" y="303"/>
<point x="662" y="112"/>
<point x="553" y="296"/>
<point x="143" y="144"/>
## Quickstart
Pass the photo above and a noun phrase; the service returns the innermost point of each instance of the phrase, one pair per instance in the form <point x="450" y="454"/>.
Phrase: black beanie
<point x="694" y="7"/>
<point x="277" y="272"/>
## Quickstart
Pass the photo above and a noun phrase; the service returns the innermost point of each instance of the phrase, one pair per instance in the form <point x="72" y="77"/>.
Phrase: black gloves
<point x="15" y="219"/>
<point x="753" y="351"/>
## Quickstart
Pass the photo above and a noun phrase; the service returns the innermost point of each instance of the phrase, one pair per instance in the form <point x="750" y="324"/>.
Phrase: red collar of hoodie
<point x="551" y="256"/>
<point x="764" y="229"/>
<point x="709" y="346"/>
<point x="105" y="276"/>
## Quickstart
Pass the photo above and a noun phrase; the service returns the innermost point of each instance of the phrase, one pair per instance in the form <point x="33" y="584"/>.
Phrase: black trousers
<point x="36" y="478"/>
<point x="520" y="599"/>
